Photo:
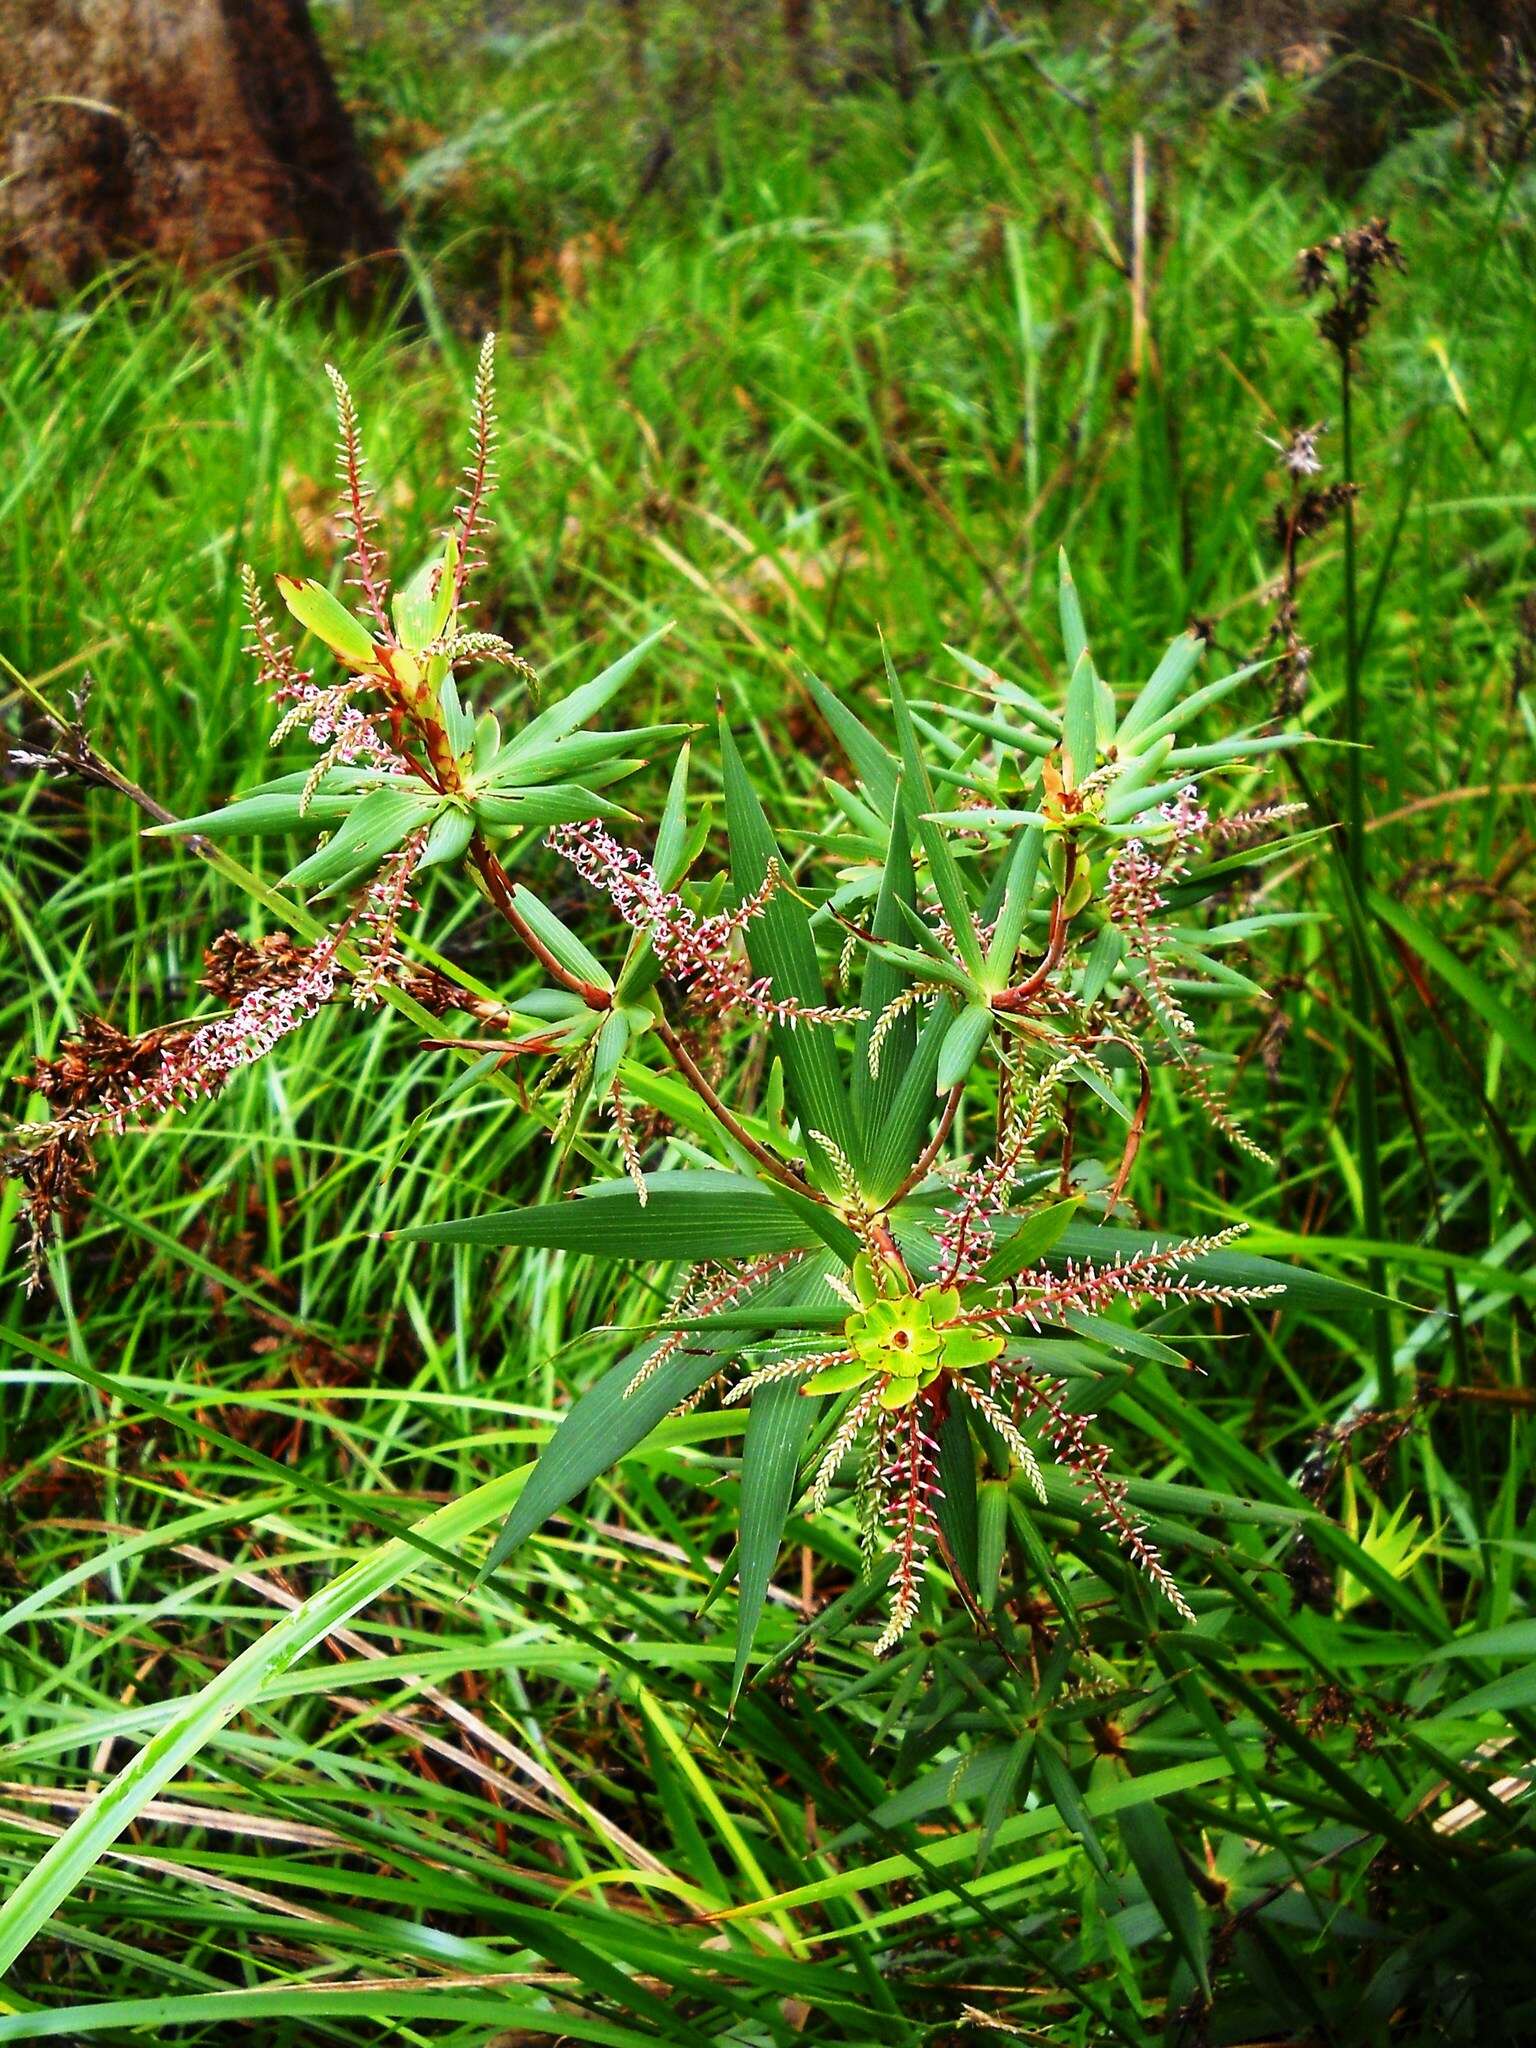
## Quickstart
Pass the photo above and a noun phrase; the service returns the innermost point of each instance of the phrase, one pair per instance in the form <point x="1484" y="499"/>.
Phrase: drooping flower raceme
<point x="700" y="953"/>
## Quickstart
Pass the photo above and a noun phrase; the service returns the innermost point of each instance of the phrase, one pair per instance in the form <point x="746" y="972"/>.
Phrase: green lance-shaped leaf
<point x="566" y="713"/>
<point x="558" y="803"/>
<point x="771" y="1461"/>
<point x="1161" y="690"/>
<point x="558" y="937"/>
<point x="1013" y="911"/>
<point x="669" y="860"/>
<point x="1020" y="737"/>
<point x="691" y="1215"/>
<point x="383" y="820"/>
<point x="1187" y="708"/>
<point x="259" y="815"/>
<point x="1029" y="1243"/>
<point x="1005" y="1795"/>
<point x="962" y="1042"/>
<point x="948" y="882"/>
<point x="448" y="839"/>
<point x="1129" y="793"/>
<point x="1014" y="695"/>
<point x="989" y="818"/>
<point x="458" y="722"/>
<point x="882" y="982"/>
<point x="487" y="743"/>
<point x="780" y="945"/>
<point x="612" y="1044"/>
<point x="876" y="766"/>
<point x="1074" y="634"/>
<point x="956" y="1510"/>
<point x="335" y="782"/>
<point x="926" y="965"/>
<point x="1103" y="959"/>
<point x="424" y="606"/>
<point x="574" y="758"/>
<point x="1246" y="746"/>
<point x="1061" y="1788"/>
<point x="778" y="1423"/>
<point x="898" y="1139"/>
<point x="991" y="1540"/>
<point x="1080" y="732"/>
<point x="328" y="618"/>
<point x="611" y="1418"/>
<point x="412" y="609"/>
<point x="1150" y="1844"/>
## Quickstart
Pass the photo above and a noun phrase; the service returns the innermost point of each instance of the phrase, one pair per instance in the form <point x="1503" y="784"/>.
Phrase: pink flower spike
<point x="694" y="950"/>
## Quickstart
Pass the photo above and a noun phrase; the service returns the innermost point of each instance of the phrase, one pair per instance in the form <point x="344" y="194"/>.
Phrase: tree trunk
<point x="194" y="130"/>
<point x="796" y="16"/>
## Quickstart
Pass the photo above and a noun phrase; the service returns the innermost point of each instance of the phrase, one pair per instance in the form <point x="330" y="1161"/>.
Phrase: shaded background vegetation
<point x="804" y="345"/>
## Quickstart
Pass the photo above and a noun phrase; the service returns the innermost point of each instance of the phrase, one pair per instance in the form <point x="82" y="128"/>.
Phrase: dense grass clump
<point x="803" y="367"/>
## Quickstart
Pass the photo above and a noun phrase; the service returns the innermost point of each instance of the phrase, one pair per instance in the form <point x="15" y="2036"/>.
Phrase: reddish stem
<point x="689" y="1069"/>
<point x="1013" y="1000"/>
<point x="931" y="1150"/>
<point x="499" y="887"/>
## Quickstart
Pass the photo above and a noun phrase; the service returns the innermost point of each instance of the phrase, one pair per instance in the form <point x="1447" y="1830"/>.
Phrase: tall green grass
<point x="856" y="369"/>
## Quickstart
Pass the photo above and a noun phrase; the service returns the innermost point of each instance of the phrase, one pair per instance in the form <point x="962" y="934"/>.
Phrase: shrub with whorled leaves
<point x="1002" y="923"/>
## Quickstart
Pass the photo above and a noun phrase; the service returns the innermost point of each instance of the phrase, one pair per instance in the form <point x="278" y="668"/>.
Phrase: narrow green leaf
<point x="1149" y="1843"/>
<point x="897" y="1140"/>
<point x="383" y="820"/>
<point x="690" y="1215"/>
<point x="1103" y="959"/>
<point x="1018" y="892"/>
<point x="559" y="938"/>
<point x="1161" y="689"/>
<point x="949" y="884"/>
<point x="612" y="1044"/>
<point x="873" y="762"/>
<point x="991" y="1539"/>
<point x="777" y="1426"/>
<point x="1080" y="727"/>
<point x="576" y="758"/>
<point x="328" y="618"/>
<point x="448" y="839"/>
<point x="670" y="857"/>
<point x="557" y="803"/>
<point x="883" y="981"/>
<point x="258" y="816"/>
<point x="566" y="713"/>
<point x="606" y="1422"/>
<point x="1030" y="1242"/>
<point x="1190" y="707"/>
<point x="957" y="1510"/>
<point x="1003" y="1795"/>
<point x="962" y="1042"/>
<point x="1515" y="1031"/>
<point x="1074" y="633"/>
<point x="780" y="944"/>
<point x="1008" y="692"/>
<point x="1061" y="1789"/>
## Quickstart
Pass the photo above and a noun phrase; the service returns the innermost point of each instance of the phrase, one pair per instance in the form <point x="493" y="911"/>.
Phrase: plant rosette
<point x="906" y="1341"/>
